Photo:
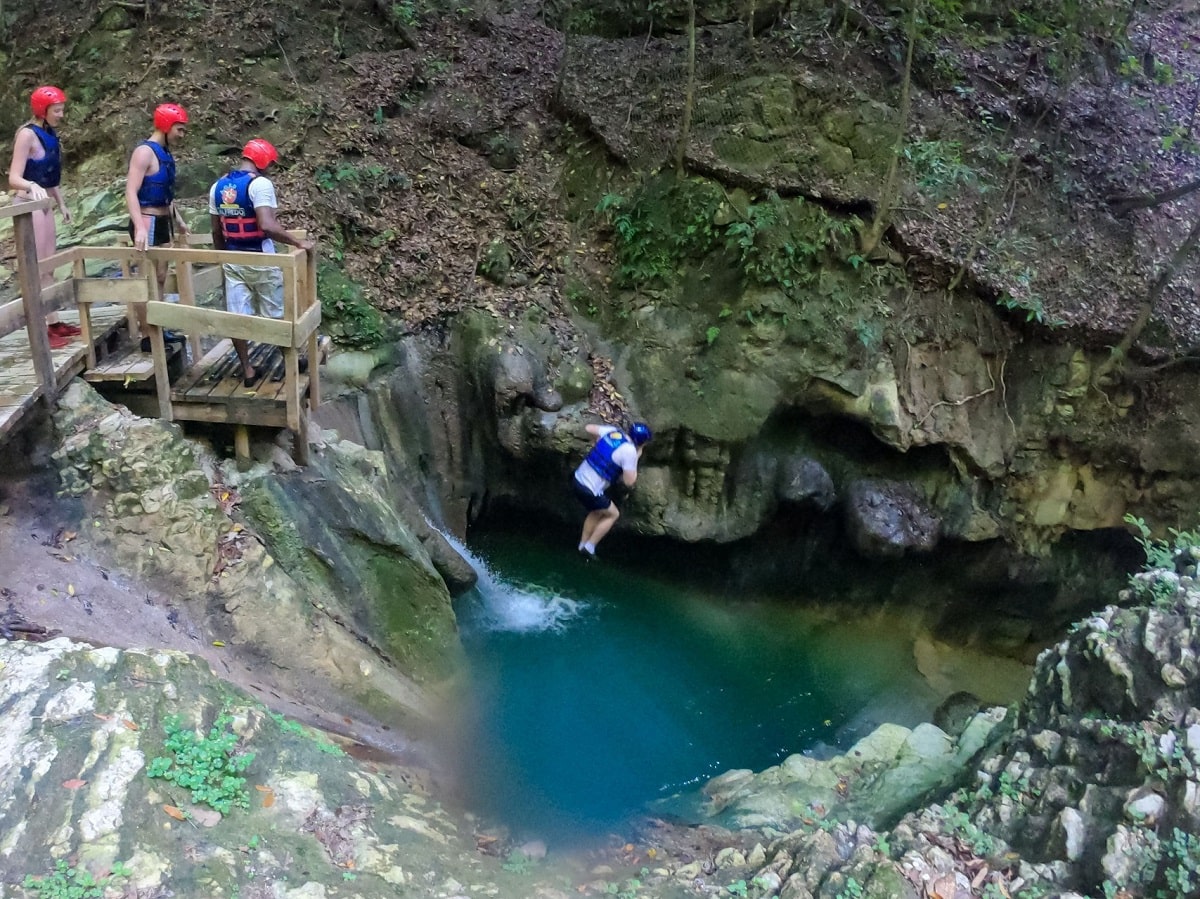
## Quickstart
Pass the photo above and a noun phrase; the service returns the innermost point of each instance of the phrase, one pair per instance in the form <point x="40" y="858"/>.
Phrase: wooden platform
<point x="213" y="391"/>
<point x="129" y="367"/>
<point x="19" y="387"/>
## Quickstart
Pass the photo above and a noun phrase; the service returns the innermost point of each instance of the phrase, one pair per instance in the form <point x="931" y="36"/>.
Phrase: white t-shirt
<point x="262" y="193"/>
<point x="625" y="455"/>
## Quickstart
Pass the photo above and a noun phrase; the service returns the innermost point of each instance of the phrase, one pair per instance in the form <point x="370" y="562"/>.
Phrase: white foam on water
<point x="503" y="605"/>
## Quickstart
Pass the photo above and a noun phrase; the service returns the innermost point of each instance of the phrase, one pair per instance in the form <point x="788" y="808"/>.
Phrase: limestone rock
<point x="886" y="519"/>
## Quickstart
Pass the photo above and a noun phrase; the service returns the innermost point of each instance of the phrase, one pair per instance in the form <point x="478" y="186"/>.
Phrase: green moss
<point x="345" y="313"/>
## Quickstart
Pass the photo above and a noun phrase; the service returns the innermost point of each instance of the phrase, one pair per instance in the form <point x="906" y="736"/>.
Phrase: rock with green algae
<point x="82" y="728"/>
<point x="154" y="504"/>
<point x="335" y="528"/>
<point x="881" y="777"/>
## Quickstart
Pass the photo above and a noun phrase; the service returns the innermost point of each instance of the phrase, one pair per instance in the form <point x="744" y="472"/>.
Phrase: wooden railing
<point x="193" y="272"/>
<point x="32" y="308"/>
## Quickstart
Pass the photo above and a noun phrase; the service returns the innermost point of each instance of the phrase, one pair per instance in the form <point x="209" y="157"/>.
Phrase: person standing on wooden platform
<point x="241" y="208"/>
<point x="150" y="193"/>
<point x="35" y="173"/>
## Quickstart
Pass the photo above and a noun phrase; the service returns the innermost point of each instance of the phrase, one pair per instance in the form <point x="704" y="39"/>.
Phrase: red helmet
<point x="43" y="98"/>
<point x="169" y="114"/>
<point x="260" y="152"/>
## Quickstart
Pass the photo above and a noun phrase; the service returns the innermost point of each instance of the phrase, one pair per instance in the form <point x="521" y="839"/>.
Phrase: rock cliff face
<point x="314" y="570"/>
<point x="1094" y="791"/>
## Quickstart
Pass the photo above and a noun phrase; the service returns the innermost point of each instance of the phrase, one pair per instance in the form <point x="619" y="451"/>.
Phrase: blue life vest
<point x="158" y="189"/>
<point x="239" y="224"/>
<point x="46" y="171"/>
<point x="601" y="456"/>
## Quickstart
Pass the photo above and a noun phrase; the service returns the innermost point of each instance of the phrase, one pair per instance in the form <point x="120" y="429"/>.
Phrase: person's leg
<point x="597" y="525"/>
<point x="45" y="241"/>
<point x="239" y="298"/>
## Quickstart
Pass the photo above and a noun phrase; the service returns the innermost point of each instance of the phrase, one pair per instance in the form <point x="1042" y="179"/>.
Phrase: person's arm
<point x="214" y="220"/>
<point x="139" y="163"/>
<point x="269" y="225"/>
<point x="218" y="235"/>
<point x="56" y="193"/>
<point x="22" y="147"/>
<point x="179" y="220"/>
<point x="595" y="430"/>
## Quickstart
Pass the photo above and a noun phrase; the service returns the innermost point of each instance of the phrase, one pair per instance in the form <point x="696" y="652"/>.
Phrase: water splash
<point x="498" y="604"/>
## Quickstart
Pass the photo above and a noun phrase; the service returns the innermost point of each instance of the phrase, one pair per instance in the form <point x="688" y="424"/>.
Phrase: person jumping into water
<point x="614" y="455"/>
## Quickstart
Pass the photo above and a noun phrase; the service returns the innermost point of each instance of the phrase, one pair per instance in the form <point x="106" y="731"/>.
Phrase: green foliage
<point x="782" y="243"/>
<point x="518" y="863"/>
<point x="711" y="334"/>
<point x="665" y="223"/>
<point x="345" y="312"/>
<point x="288" y="726"/>
<point x="960" y="824"/>
<point x="937" y="165"/>
<point x="207" y="766"/>
<point x="358" y="174"/>
<point x="1161" y="556"/>
<point x="774" y="243"/>
<point x="66" y="882"/>
<point x="406" y="13"/>
<point x="738" y="888"/>
<point x="852" y="890"/>
<point x="1183" y="865"/>
<point x="1031" y="305"/>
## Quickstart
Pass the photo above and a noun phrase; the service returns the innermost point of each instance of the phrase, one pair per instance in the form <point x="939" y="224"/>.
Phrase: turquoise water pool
<point x="595" y="690"/>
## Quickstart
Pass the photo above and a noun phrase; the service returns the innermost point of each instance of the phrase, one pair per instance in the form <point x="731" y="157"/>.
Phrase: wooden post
<point x="291" y="356"/>
<point x="30" y="281"/>
<point x="241" y="446"/>
<point x="314" y="361"/>
<point x="79" y="270"/>
<point x="162" y="380"/>
<point x="187" y="297"/>
<point x="300" y="440"/>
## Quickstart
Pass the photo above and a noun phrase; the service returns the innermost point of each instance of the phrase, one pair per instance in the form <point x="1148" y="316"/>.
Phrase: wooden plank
<point x="162" y="379"/>
<point x="222" y="324"/>
<point x="202" y="365"/>
<point x="59" y="259"/>
<point x="187" y="297"/>
<point x="306" y="326"/>
<point x="286" y="261"/>
<point x="20" y="207"/>
<point x="267" y="415"/>
<point x="112" y="290"/>
<point x="30" y="284"/>
<point x="225" y="368"/>
<point x="300" y="439"/>
<point x="58" y="295"/>
<point x="12" y="316"/>
<point x="134" y="367"/>
<point x="291" y="383"/>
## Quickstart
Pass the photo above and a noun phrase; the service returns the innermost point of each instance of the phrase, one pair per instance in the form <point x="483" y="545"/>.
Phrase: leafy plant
<point x="207" y="766"/>
<point x="937" y="165"/>
<point x="347" y="315"/>
<point x="518" y="863"/>
<point x="711" y="335"/>
<point x="67" y="882"/>
<point x="288" y="726"/>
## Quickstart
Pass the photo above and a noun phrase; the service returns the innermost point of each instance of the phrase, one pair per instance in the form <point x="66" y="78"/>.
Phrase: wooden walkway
<point x="20" y="388"/>
<point x="207" y="386"/>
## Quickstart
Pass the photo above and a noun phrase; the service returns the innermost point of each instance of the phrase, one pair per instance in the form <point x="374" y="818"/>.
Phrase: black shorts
<point x="162" y="230"/>
<point x="590" y="501"/>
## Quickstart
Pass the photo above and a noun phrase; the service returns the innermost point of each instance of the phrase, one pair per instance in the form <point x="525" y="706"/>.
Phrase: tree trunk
<point x="1121" y="350"/>
<point x="891" y="186"/>
<point x="689" y="100"/>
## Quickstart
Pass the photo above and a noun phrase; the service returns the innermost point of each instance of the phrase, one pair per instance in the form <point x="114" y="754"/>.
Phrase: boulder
<point x="887" y="519"/>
